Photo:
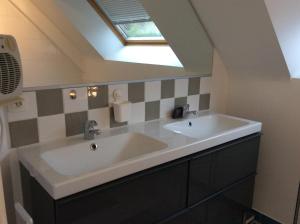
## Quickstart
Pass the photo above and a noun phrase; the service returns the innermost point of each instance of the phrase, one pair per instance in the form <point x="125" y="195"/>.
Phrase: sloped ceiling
<point x="243" y="34"/>
<point x="187" y="37"/>
<point x="51" y="10"/>
<point x="285" y="17"/>
<point x="182" y="28"/>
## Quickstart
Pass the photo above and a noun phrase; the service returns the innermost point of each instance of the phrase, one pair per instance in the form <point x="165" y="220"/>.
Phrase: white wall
<point x="275" y="102"/>
<point x="259" y="88"/>
<point x="102" y="71"/>
<point x="219" y="85"/>
<point x="184" y="32"/>
<point x="244" y="36"/>
<point x="42" y="62"/>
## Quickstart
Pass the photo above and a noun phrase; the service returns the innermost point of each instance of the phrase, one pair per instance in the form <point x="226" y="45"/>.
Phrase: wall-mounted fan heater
<point x="11" y="83"/>
<point x="11" y="80"/>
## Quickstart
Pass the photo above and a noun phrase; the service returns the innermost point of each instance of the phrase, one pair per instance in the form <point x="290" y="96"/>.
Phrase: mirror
<point x="55" y="52"/>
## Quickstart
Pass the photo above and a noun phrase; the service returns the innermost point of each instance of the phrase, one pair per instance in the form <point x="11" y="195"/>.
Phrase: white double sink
<point x="64" y="169"/>
<point x="99" y="154"/>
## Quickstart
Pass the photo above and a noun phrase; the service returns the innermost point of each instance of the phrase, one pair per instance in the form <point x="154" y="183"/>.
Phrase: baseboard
<point x="261" y="218"/>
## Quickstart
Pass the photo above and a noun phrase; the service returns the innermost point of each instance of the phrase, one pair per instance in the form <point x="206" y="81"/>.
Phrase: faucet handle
<point x="94" y="123"/>
<point x="186" y="107"/>
<point x="91" y="123"/>
<point x="97" y="131"/>
<point x="89" y="129"/>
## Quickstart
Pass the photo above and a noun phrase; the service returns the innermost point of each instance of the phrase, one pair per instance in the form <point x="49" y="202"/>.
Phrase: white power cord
<point x="1" y="133"/>
<point x="3" y="152"/>
<point x="20" y="211"/>
<point x="23" y="214"/>
<point x="3" y="141"/>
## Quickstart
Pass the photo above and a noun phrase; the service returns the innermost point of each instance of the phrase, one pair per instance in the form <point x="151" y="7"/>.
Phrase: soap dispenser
<point x="122" y="109"/>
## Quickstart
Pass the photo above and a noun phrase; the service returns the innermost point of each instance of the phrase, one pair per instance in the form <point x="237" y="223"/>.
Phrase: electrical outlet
<point x="17" y="107"/>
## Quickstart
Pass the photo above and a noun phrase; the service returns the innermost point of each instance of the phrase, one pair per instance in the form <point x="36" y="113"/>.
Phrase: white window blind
<point x="124" y="11"/>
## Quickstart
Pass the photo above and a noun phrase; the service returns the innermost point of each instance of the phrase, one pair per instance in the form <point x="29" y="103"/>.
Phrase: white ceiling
<point x="285" y="17"/>
<point x="184" y="32"/>
<point x="243" y="34"/>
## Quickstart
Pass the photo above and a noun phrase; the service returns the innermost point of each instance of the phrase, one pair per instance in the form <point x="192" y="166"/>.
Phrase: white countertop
<point x="59" y="186"/>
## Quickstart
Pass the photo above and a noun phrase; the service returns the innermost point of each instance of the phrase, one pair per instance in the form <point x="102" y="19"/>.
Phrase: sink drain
<point x="93" y="147"/>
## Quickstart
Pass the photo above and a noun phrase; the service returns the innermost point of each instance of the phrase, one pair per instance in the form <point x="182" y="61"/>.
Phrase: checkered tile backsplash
<point x="50" y="114"/>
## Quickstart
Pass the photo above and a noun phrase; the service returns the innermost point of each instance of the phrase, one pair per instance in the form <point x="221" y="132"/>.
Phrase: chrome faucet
<point x="186" y="111"/>
<point x="90" y="131"/>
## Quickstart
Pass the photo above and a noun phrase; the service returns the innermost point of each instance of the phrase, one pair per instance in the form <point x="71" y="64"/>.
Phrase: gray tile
<point x="136" y="92"/>
<point x="152" y="110"/>
<point x="113" y="123"/>
<point x="167" y="88"/>
<point x="180" y="102"/>
<point x="101" y="100"/>
<point x="204" y="102"/>
<point x="49" y="102"/>
<point x="194" y="86"/>
<point x="23" y="132"/>
<point x="75" y="123"/>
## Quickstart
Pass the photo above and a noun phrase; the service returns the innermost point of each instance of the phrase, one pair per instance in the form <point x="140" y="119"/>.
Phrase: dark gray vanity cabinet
<point x="140" y="199"/>
<point x="212" y="171"/>
<point x="145" y="197"/>
<point x="210" y="187"/>
<point x="227" y="207"/>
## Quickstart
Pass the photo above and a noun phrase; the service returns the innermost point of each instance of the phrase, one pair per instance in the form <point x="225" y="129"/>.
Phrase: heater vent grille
<point x="10" y="73"/>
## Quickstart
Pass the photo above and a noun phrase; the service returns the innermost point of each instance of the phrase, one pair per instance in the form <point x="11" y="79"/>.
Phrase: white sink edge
<point x="76" y="184"/>
<point x="146" y="162"/>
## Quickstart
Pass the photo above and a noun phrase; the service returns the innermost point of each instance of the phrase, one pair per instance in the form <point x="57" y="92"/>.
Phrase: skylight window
<point x="129" y="20"/>
<point x="140" y="31"/>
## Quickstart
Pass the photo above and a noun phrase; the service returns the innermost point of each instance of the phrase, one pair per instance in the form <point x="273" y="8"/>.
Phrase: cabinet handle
<point x="23" y="214"/>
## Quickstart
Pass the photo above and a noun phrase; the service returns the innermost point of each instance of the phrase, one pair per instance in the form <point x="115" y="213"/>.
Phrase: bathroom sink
<point x="102" y="153"/>
<point x="68" y="166"/>
<point x="206" y="126"/>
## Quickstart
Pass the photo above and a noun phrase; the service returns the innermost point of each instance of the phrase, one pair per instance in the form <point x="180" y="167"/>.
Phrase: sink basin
<point x="206" y="126"/>
<point x="102" y="153"/>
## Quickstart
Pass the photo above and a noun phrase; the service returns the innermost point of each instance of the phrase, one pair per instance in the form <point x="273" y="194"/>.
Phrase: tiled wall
<point x="50" y="114"/>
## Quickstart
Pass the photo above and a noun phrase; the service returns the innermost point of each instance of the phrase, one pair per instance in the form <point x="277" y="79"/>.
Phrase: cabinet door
<point x="201" y="178"/>
<point x="210" y="173"/>
<point x="226" y="208"/>
<point x="235" y="162"/>
<point x="144" y="199"/>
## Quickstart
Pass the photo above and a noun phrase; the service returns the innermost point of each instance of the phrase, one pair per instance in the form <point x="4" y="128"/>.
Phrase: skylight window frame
<point x="124" y="41"/>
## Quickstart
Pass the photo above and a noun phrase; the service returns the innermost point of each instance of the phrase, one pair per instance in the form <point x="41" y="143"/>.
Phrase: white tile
<point x="101" y="115"/>
<point x="166" y="107"/>
<point x="137" y="113"/>
<point x="152" y="91"/>
<point x="123" y="88"/>
<point x="205" y="85"/>
<point x="28" y="110"/>
<point x="181" y="87"/>
<point x="193" y="101"/>
<point x="78" y="104"/>
<point x="51" y="127"/>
